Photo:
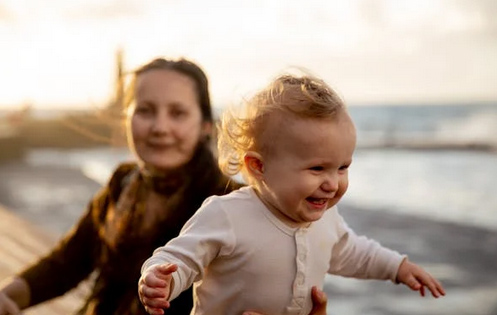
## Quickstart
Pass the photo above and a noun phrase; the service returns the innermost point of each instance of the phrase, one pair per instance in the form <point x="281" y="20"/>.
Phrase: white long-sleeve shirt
<point x="240" y="257"/>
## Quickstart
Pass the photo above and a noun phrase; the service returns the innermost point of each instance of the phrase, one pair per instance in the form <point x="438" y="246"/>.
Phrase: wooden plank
<point x="21" y="243"/>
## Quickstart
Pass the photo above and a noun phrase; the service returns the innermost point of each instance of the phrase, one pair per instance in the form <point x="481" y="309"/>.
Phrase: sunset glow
<point x="62" y="53"/>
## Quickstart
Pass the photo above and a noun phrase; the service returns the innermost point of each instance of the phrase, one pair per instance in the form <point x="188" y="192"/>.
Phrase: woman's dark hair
<point x="189" y="69"/>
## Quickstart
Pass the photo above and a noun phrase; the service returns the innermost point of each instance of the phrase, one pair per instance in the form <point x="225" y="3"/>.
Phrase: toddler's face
<point x="306" y="170"/>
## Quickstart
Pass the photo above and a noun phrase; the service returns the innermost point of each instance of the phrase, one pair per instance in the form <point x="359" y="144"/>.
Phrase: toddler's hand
<point x="417" y="279"/>
<point x="155" y="286"/>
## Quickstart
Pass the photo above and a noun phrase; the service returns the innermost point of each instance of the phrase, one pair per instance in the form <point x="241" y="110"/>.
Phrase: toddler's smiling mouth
<point x="317" y="201"/>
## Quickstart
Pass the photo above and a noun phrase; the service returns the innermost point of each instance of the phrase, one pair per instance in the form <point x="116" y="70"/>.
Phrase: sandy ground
<point x="464" y="258"/>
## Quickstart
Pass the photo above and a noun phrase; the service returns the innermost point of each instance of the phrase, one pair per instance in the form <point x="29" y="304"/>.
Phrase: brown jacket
<point x="85" y="249"/>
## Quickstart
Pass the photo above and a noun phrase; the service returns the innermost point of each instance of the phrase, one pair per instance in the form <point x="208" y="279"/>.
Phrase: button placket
<point x="300" y="292"/>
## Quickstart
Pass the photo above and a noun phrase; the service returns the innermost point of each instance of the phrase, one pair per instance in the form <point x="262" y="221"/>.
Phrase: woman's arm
<point x="68" y="263"/>
<point x="51" y="276"/>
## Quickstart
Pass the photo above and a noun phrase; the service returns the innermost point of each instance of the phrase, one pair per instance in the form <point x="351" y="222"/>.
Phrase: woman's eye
<point x="178" y="113"/>
<point x="143" y="110"/>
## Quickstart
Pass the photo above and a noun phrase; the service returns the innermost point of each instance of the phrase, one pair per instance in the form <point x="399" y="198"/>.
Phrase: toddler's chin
<point x="314" y="216"/>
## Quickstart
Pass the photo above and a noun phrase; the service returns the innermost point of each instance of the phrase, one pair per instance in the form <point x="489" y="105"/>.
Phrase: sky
<point x="61" y="54"/>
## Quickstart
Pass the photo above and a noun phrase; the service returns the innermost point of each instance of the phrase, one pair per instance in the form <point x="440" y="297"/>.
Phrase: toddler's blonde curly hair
<point x="303" y="96"/>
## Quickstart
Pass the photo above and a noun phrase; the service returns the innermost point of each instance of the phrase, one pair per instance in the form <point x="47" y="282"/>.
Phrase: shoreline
<point x="442" y="196"/>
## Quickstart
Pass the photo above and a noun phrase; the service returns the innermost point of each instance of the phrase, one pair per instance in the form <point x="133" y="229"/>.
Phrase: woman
<point x="144" y="204"/>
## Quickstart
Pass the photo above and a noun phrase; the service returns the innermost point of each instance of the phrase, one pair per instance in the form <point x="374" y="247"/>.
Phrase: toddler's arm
<point x="417" y="279"/>
<point x="206" y="235"/>
<point x="155" y="286"/>
<point x="360" y="257"/>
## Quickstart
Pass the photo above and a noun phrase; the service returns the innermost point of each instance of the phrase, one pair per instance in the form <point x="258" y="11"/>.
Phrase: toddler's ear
<point x="254" y="164"/>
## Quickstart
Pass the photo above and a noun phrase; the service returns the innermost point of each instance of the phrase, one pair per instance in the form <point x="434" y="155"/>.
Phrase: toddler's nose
<point x="330" y="183"/>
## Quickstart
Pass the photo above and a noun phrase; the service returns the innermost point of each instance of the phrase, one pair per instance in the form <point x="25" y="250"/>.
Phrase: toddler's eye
<point x="344" y="167"/>
<point x="316" y="168"/>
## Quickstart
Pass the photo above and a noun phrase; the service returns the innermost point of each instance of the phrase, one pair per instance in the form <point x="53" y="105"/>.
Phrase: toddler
<point x="264" y="246"/>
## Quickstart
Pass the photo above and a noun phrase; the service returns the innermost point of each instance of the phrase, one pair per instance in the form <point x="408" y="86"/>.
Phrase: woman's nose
<point x="161" y="123"/>
<point x="330" y="182"/>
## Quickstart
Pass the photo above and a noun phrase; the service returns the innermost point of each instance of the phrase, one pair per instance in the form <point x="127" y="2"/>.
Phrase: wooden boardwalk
<point x="22" y="243"/>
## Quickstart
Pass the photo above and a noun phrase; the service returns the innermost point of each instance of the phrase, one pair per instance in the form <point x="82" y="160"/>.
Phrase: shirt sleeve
<point x="360" y="257"/>
<point x="207" y="235"/>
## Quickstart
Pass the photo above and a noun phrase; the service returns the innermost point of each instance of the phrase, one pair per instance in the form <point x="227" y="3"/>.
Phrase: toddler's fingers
<point x="439" y="287"/>
<point x="435" y="288"/>
<point x="152" y="293"/>
<point x="433" y="285"/>
<point x="159" y="303"/>
<point x="165" y="270"/>
<point x="154" y="311"/>
<point x="151" y="280"/>
<point x="413" y="283"/>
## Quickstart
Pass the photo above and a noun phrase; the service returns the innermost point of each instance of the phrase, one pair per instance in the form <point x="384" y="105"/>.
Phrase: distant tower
<point x="117" y="103"/>
<point x="116" y="106"/>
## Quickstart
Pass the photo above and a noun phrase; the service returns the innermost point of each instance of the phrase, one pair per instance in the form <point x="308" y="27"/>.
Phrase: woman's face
<point x="164" y="124"/>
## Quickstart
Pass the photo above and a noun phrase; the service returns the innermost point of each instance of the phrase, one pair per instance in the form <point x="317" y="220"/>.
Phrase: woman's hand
<point x="417" y="279"/>
<point x="14" y="296"/>
<point x="8" y="306"/>
<point x="319" y="301"/>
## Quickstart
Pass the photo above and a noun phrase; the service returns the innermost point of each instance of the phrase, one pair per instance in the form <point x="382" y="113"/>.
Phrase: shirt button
<point x="300" y="279"/>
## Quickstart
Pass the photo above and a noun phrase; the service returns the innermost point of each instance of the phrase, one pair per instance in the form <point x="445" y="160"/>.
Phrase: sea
<point x="432" y="161"/>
